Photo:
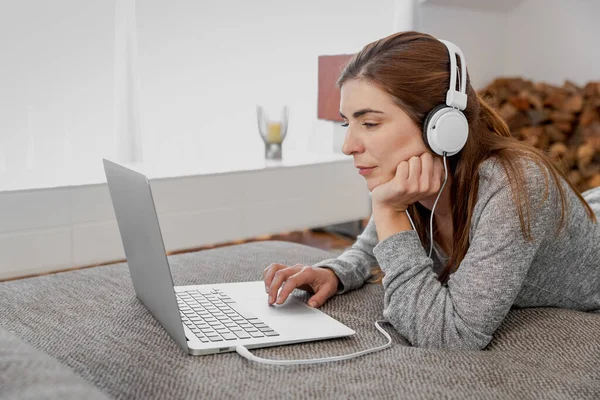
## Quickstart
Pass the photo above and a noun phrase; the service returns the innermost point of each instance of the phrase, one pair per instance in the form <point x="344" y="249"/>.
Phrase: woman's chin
<point x="371" y="184"/>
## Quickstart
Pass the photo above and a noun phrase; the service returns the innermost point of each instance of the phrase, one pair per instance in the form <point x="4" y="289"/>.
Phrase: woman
<point x="509" y="230"/>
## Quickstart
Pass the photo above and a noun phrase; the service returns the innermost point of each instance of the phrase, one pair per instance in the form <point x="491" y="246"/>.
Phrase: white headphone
<point x="446" y="129"/>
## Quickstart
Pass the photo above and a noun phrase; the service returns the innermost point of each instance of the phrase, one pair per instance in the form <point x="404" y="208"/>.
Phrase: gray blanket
<point x="92" y="322"/>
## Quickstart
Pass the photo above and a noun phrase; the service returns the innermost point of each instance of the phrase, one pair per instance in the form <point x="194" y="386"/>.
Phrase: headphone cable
<point x="434" y="204"/>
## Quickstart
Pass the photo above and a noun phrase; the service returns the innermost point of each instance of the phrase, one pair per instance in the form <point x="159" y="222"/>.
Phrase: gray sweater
<point x="500" y="270"/>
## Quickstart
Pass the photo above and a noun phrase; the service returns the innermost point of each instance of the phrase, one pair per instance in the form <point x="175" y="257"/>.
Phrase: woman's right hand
<point x="321" y="282"/>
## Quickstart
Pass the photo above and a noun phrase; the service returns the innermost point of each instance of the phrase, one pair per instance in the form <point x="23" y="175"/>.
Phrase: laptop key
<point x="256" y="334"/>
<point x="245" y="314"/>
<point x="241" y="334"/>
<point x="271" y="333"/>
<point x="229" y="336"/>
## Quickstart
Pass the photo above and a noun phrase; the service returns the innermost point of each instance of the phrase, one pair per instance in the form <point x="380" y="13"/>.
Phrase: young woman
<point x="509" y="230"/>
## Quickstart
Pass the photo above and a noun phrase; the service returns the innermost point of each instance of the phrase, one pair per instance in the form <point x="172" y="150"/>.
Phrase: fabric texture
<point x="501" y="270"/>
<point x="26" y="373"/>
<point x="91" y="321"/>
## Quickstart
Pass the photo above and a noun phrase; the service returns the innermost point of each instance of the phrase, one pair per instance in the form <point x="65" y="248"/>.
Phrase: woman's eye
<point x="345" y="125"/>
<point x="368" y="125"/>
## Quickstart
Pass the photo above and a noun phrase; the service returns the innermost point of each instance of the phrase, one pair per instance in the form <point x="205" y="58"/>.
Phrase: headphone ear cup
<point x="428" y="121"/>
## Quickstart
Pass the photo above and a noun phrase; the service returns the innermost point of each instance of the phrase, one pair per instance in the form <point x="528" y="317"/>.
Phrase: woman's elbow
<point x="431" y="336"/>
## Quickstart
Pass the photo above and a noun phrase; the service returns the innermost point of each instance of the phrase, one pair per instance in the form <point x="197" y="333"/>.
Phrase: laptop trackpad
<point x="291" y="307"/>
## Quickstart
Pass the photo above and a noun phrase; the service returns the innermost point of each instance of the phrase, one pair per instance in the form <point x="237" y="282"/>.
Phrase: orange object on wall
<point x="330" y="68"/>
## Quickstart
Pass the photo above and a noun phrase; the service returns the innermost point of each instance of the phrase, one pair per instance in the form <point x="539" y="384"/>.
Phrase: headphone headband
<point x="454" y="98"/>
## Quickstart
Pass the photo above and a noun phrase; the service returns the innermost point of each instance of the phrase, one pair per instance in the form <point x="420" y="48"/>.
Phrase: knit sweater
<point x="500" y="269"/>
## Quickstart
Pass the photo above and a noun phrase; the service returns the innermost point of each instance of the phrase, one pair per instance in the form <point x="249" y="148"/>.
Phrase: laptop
<point x="203" y="319"/>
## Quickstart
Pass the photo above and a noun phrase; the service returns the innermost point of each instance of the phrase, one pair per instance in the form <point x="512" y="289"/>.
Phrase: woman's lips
<point x="365" y="170"/>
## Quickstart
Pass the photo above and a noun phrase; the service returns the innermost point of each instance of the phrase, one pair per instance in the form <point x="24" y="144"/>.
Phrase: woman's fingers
<point x="426" y="180"/>
<point x="325" y="291"/>
<point x="270" y="271"/>
<point x="414" y="173"/>
<point x="402" y="172"/>
<point x="305" y="276"/>
<point x="280" y="276"/>
<point x="439" y="172"/>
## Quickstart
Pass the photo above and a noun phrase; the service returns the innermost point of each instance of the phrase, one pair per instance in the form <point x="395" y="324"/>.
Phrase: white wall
<point x="541" y="40"/>
<point x="554" y="40"/>
<point x="56" y="96"/>
<point x="203" y="67"/>
<point x="479" y="34"/>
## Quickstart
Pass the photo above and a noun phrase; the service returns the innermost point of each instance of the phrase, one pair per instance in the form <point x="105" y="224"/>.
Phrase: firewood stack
<point x="562" y="121"/>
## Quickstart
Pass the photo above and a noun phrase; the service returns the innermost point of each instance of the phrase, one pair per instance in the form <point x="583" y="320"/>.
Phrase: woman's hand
<point x="322" y="282"/>
<point x="415" y="179"/>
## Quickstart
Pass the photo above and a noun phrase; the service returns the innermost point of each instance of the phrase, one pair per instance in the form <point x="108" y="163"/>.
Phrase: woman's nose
<point x="351" y="144"/>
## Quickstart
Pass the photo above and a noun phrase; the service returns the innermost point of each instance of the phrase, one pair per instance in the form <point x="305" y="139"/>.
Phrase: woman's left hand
<point x="415" y="179"/>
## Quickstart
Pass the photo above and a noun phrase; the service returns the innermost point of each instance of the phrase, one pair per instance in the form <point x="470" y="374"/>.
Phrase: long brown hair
<point x="414" y="69"/>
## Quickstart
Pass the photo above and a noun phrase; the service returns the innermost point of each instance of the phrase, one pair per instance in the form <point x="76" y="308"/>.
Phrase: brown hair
<point x="413" y="68"/>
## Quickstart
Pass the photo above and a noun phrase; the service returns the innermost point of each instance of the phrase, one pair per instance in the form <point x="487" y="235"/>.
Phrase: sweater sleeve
<point x="353" y="267"/>
<point x="466" y="312"/>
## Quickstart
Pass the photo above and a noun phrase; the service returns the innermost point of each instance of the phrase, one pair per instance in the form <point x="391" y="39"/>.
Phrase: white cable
<point x="244" y="352"/>
<point x="411" y="221"/>
<point x="433" y="208"/>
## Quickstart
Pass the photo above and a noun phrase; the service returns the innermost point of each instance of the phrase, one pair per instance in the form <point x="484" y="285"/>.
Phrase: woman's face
<point x="380" y="134"/>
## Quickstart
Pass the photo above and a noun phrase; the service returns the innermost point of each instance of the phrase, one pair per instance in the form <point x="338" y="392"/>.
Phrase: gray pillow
<point x="27" y="373"/>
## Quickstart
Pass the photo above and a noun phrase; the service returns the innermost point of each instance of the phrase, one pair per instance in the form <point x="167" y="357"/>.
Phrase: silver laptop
<point x="203" y="319"/>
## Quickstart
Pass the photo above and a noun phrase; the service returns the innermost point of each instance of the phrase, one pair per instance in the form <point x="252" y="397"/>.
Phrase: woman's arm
<point x="353" y="267"/>
<point x="465" y="313"/>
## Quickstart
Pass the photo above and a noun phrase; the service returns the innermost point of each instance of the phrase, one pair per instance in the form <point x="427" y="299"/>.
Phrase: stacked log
<point x="563" y="121"/>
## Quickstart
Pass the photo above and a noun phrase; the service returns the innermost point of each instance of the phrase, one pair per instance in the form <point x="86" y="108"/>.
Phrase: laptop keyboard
<point x="212" y="316"/>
